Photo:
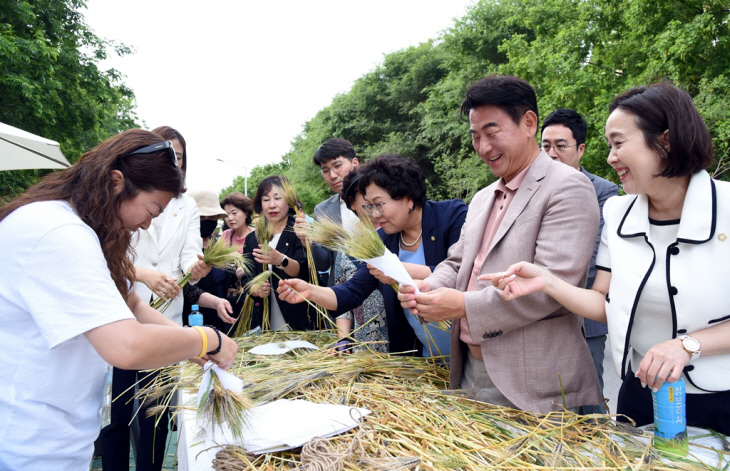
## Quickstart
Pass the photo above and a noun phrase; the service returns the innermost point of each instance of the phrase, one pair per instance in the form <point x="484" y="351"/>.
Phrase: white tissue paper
<point x="287" y="424"/>
<point x="391" y="265"/>
<point x="228" y="380"/>
<point x="278" y="348"/>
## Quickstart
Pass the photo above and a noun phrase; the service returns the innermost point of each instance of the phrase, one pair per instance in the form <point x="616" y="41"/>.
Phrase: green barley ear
<point x="257" y="281"/>
<point x="219" y="255"/>
<point x="289" y="194"/>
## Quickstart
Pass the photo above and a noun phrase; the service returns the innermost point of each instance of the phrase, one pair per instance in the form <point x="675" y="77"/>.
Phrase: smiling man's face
<point x="507" y="147"/>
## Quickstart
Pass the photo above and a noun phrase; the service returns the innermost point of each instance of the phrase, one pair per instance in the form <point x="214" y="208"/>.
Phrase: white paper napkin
<point x="278" y="348"/>
<point x="391" y="265"/>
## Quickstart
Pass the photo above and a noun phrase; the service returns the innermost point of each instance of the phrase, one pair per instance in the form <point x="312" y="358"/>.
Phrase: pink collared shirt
<point x="503" y="196"/>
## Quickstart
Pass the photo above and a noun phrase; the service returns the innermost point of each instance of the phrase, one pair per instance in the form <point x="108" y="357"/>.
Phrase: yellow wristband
<point x="205" y="340"/>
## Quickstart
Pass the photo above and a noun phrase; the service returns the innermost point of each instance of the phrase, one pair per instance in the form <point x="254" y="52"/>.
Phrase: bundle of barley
<point x="415" y="424"/>
<point x="222" y="407"/>
<point x="246" y="314"/>
<point x="219" y="255"/>
<point x="264" y="230"/>
<point x="362" y="242"/>
<point x="289" y="193"/>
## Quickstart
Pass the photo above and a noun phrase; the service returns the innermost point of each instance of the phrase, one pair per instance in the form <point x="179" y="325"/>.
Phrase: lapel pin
<point x="433" y="238"/>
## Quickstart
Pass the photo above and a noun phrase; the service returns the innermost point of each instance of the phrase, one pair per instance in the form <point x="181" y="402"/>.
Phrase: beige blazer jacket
<point x="529" y="342"/>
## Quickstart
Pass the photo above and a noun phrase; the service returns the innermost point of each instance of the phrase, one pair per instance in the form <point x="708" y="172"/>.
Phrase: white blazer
<point x="177" y="250"/>
<point x="697" y="271"/>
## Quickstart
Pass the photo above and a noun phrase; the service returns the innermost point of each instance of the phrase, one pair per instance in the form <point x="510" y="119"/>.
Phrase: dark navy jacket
<point x="441" y="223"/>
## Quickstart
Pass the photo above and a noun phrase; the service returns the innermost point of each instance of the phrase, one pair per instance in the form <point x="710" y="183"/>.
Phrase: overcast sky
<point x="239" y="79"/>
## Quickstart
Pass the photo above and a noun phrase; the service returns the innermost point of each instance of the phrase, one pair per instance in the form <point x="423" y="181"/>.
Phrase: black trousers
<point x="114" y="438"/>
<point x="710" y="411"/>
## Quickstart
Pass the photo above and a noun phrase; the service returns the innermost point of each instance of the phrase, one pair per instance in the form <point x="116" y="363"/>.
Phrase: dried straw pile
<point x="415" y="424"/>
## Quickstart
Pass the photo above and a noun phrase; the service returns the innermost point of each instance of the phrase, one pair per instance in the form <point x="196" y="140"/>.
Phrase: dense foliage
<point x="576" y="53"/>
<point x="50" y="84"/>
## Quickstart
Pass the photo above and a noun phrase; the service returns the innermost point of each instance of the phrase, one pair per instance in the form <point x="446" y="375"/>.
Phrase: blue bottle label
<point x="195" y="319"/>
<point x="670" y="414"/>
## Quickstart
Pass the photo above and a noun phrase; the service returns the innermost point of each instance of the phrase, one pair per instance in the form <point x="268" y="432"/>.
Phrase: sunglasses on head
<point x="156" y="148"/>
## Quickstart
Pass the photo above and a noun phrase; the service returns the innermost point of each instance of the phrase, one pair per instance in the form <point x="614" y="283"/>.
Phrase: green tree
<point x="575" y="53"/>
<point x="258" y="173"/>
<point x="50" y="82"/>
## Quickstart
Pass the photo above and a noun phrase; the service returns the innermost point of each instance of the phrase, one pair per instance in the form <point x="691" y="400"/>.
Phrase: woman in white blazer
<point x="663" y="264"/>
<point x="161" y="254"/>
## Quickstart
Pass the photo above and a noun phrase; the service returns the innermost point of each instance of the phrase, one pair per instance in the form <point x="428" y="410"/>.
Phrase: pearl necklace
<point x="414" y="242"/>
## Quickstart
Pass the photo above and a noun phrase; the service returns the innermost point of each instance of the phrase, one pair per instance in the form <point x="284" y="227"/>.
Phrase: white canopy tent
<point x="22" y="150"/>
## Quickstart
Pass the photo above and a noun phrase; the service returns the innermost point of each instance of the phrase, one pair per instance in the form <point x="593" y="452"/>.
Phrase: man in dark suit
<point x="564" y="139"/>
<point x="532" y="356"/>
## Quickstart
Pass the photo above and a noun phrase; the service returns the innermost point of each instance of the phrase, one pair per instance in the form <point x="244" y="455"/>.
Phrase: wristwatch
<point x="691" y="345"/>
<point x="284" y="262"/>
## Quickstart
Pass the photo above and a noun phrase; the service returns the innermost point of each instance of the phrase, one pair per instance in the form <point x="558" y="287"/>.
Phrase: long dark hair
<point x="88" y="184"/>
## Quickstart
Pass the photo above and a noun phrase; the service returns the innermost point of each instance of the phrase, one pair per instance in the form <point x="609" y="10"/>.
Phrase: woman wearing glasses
<point x="418" y="231"/>
<point x="161" y="253"/>
<point x="67" y="304"/>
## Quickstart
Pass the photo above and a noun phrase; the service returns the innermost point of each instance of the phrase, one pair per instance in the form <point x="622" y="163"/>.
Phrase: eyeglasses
<point x="375" y="209"/>
<point x="560" y="147"/>
<point x="156" y="148"/>
<point x="336" y="166"/>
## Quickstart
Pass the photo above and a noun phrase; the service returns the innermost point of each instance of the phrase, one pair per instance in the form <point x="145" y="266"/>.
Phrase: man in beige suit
<point x="515" y="353"/>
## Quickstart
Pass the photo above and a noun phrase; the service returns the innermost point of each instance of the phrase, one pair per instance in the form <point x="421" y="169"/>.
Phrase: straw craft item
<point x="219" y="255"/>
<point x="416" y="424"/>
<point x="223" y="407"/>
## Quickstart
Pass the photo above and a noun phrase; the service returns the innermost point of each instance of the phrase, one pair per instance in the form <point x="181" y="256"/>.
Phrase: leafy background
<point x="575" y="53"/>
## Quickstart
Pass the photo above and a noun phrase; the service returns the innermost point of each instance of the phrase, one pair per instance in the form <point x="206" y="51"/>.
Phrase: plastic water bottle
<point x="670" y="418"/>
<point x="195" y="318"/>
